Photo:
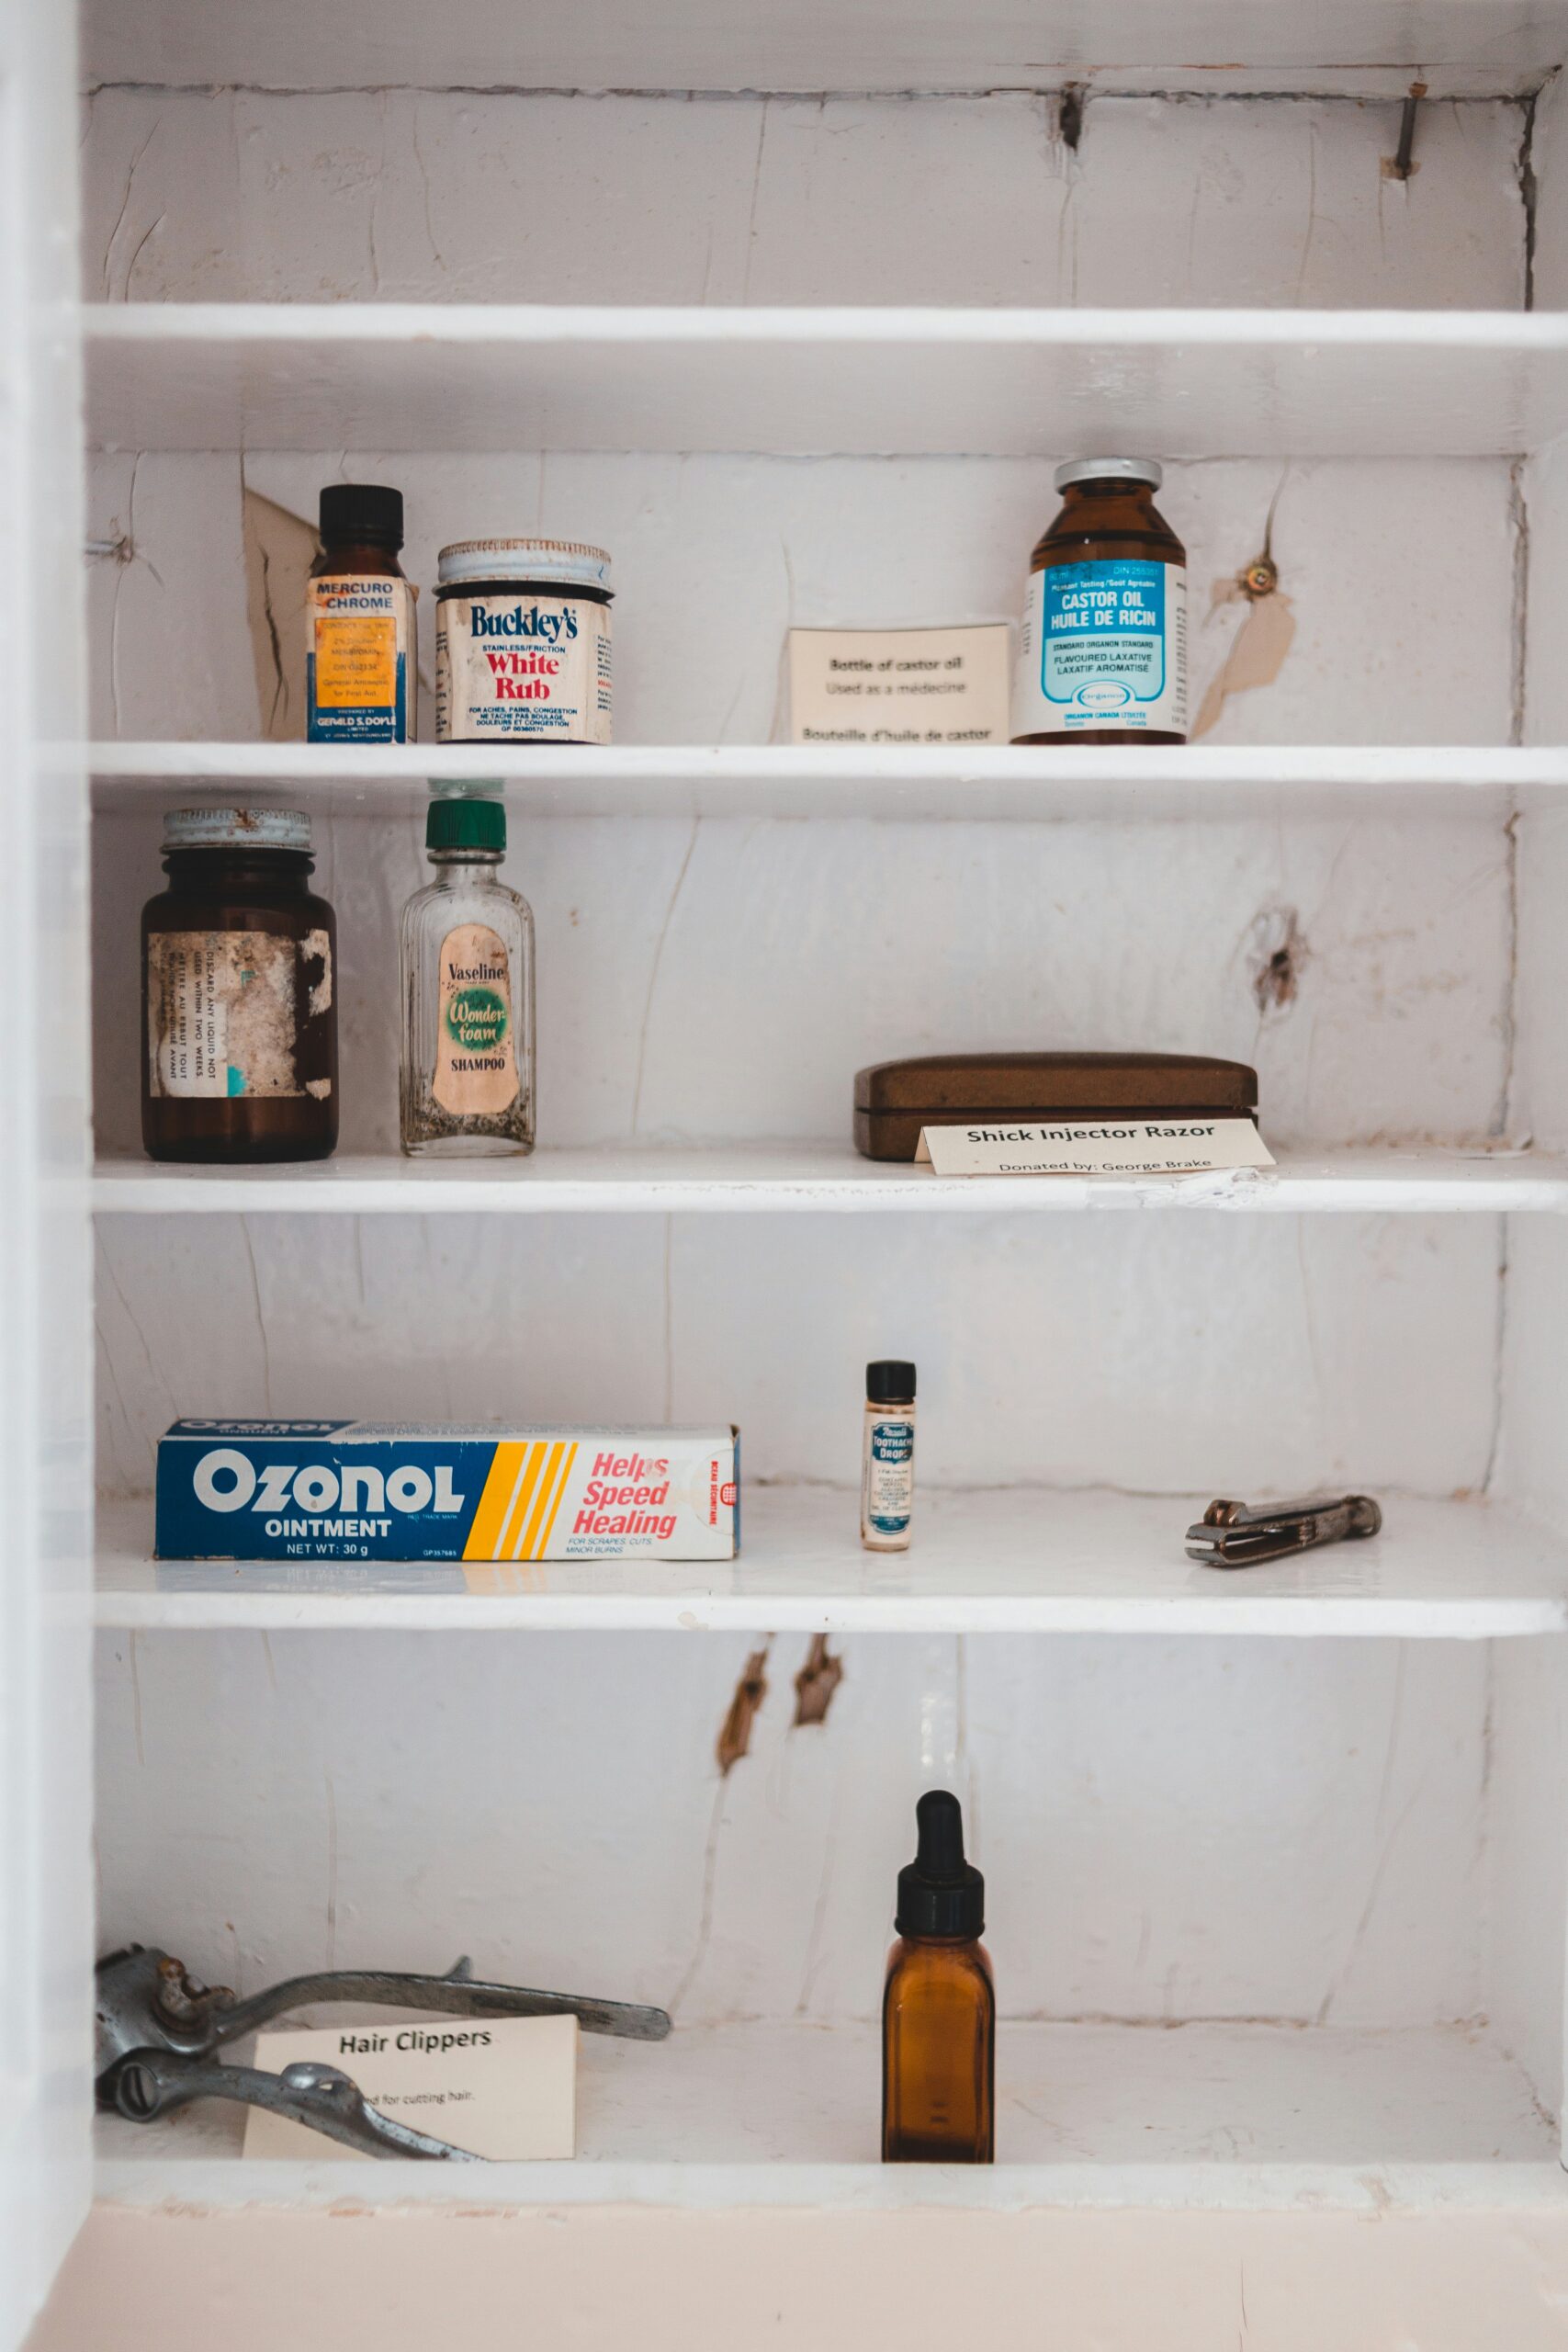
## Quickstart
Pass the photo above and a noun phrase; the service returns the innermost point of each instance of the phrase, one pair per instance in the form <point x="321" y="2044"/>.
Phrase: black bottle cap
<point x="363" y="513"/>
<point x="938" y="1893"/>
<point x="890" y="1382"/>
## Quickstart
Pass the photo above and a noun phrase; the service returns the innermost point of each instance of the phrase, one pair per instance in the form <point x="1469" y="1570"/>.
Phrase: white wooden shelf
<point x="399" y="376"/>
<point x="1105" y="2114"/>
<point x="790" y="780"/>
<point x="772" y="1177"/>
<point x="998" y="1561"/>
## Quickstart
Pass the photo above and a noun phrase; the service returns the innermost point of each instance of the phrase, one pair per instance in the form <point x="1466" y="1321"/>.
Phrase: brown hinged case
<point x="895" y="1099"/>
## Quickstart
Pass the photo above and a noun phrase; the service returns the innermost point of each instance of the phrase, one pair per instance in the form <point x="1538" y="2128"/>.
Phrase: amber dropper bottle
<point x="939" y="2011"/>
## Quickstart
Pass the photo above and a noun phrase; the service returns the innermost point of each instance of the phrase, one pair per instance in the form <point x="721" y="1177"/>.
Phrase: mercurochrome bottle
<point x="1103" y="652"/>
<point x="467" y="955"/>
<point x="938" y="2007"/>
<point x="361" y="673"/>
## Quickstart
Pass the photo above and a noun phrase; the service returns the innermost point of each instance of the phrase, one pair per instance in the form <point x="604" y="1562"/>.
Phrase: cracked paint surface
<point x="280" y="548"/>
<point x="400" y="194"/>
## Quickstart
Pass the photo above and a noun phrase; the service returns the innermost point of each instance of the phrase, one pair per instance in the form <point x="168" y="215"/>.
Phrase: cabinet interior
<point x="1258" y="1898"/>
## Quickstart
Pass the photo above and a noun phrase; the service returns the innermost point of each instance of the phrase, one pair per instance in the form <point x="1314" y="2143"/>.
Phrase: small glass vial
<point x="237" y="997"/>
<point x="361" y="673"/>
<point x="1103" y="652"/>
<point x="939" y="2006"/>
<point x="888" y="1457"/>
<point x="467" y="952"/>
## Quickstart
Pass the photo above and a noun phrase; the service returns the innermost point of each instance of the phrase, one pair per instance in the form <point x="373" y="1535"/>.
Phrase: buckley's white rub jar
<point x="522" y="642"/>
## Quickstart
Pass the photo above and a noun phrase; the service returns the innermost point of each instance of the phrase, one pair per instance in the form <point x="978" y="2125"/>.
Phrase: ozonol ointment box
<point x="417" y="1490"/>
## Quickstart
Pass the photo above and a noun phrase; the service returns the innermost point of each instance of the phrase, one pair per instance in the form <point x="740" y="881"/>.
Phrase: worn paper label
<point x="1094" y="1148"/>
<point x="522" y="662"/>
<point x="360" y="679"/>
<point x="222" y="1011"/>
<point x="476" y="1068"/>
<point x="504" y="2087"/>
<point x="900" y="685"/>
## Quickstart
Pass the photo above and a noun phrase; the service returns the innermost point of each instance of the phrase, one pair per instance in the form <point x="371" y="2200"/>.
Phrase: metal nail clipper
<point x="158" y="2029"/>
<point x="1235" y="1535"/>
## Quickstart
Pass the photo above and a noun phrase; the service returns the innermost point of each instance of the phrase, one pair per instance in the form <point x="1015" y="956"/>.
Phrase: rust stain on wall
<point x="735" y="1731"/>
<point x="1259" y="647"/>
<point x="1279" y="951"/>
<point x="816" y="1682"/>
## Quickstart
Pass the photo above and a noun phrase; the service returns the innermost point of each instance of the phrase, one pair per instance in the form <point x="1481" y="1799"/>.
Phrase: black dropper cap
<point x="938" y="1893"/>
<point x="890" y="1382"/>
<point x="366" y="513"/>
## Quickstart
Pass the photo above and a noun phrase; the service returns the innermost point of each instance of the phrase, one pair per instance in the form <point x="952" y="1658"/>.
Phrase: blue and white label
<point x="1103" y="645"/>
<point x="887" y="1477"/>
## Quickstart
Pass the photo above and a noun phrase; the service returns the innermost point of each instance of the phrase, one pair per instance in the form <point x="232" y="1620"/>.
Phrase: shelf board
<point x="770" y="1178"/>
<point x="1097" y="2114"/>
<point x="397" y="376"/>
<point x="793" y="780"/>
<point x="993" y="1561"/>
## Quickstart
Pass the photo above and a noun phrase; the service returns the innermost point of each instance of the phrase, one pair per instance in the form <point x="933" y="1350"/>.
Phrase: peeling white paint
<point x="404" y="194"/>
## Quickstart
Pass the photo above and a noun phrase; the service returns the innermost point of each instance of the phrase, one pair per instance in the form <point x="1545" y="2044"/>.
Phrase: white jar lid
<point x="1148" y="470"/>
<point x="236" y="829"/>
<point x="571" y="561"/>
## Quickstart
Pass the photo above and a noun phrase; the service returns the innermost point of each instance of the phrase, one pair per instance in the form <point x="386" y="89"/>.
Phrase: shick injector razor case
<point x="417" y="1490"/>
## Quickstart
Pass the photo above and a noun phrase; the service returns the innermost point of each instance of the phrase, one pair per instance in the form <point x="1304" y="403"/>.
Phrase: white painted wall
<point x="1147" y="1353"/>
<point x="459" y="195"/>
<point x="1526" y="1829"/>
<point x="847" y="943"/>
<point x="1548" y="162"/>
<point x="1169" y="1829"/>
<point x="1540" y="1084"/>
<point x="45" y="1406"/>
<point x="1401" y="577"/>
<point x="1527" y="1781"/>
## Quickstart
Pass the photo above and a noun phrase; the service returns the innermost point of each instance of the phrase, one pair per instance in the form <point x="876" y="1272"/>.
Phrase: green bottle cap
<point x="465" y="824"/>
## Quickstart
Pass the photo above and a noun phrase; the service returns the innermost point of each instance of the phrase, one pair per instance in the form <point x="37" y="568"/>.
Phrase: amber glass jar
<point x="361" y="668"/>
<point x="1102" y="652"/>
<point x="939" y="2005"/>
<point x="239" y="1021"/>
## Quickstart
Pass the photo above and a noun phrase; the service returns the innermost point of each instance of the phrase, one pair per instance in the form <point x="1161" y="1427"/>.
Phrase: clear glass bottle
<point x="939" y="2006"/>
<point x="467" y="955"/>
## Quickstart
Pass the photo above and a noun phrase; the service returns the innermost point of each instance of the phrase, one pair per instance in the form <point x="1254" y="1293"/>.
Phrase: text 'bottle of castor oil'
<point x="888" y="1457"/>
<point x="939" y="2005"/>
<point x="466" y="953"/>
<point x="1102" y="652"/>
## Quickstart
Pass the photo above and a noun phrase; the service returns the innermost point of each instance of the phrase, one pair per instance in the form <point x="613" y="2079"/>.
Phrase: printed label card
<point x="1094" y="1148"/>
<point x="504" y="2087"/>
<point x="900" y="685"/>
